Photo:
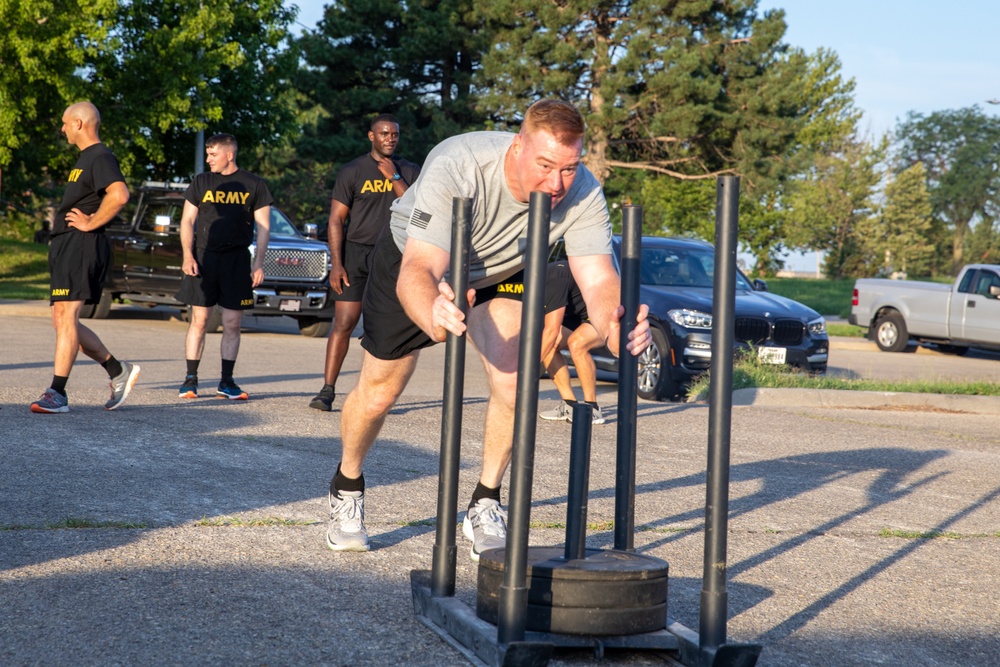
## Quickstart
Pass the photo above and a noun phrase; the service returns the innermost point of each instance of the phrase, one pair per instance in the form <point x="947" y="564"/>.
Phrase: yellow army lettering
<point x="377" y="186"/>
<point x="222" y="197"/>
<point x="511" y="288"/>
<point x="60" y="292"/>
<point x="246" y="302"/>
<point x="75" y="174"/>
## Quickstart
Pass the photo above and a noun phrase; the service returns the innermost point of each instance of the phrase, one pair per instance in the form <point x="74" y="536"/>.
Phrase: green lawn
<point x="24" y="270"/>
<point x="826" y="297"/>
<point x="749" y="372"/>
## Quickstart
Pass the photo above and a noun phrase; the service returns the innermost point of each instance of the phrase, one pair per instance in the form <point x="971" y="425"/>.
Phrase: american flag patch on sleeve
<point x="420" y="218"/>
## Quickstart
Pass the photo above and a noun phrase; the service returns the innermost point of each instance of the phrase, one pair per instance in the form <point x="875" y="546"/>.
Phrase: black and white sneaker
<point x="485" y="525"/>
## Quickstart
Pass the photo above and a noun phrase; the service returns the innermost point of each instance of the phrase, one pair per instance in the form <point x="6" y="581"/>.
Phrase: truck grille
<point x="284" y="264"/>
<point x="788" y="332"/>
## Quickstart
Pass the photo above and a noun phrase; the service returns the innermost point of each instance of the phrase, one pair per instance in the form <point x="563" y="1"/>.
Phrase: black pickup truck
<point x="147" y="258"/>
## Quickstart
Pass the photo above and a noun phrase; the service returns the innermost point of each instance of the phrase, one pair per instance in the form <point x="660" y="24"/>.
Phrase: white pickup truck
<point x="953" y="317"/>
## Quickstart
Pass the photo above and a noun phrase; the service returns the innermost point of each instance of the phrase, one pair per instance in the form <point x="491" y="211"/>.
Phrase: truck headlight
<point x="692" y="319"/>
<point x="817" y="327"/>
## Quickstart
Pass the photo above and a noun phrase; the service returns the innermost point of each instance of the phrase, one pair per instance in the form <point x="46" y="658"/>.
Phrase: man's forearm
<point x="417" y="294"/>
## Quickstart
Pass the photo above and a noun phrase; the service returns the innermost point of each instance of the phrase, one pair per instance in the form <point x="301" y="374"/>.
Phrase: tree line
<point x="674" y="93"/>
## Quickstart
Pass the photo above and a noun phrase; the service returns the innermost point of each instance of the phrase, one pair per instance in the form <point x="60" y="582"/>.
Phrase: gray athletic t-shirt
<point x="472" y="165"/>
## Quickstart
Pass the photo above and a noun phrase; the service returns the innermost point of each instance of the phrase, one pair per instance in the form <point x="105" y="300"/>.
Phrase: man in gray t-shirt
<point x="408" y="305"/>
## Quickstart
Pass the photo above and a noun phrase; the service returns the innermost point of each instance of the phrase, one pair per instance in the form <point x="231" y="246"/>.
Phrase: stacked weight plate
<point x="605" y="593"/>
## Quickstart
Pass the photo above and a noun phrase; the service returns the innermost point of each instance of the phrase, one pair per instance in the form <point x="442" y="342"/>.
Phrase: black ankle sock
<point x="592" y="404"/>
<point x="192" y="366"/>
<point x="484" y="492"/>
<point x="59" y="383"/>
<point x="569" y="401"/>
<point x="228" y="366"/>
<point x="113" y="367"/>
<point x="342" y="483"/>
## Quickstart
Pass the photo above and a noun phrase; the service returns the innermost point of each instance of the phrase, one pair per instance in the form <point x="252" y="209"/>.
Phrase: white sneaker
<point x="561" y="413"/>
<point x="598" y="416"/>
<point x="346" y="531"/>
<point x="565" y="413"/>
<point x="485" y="525"/>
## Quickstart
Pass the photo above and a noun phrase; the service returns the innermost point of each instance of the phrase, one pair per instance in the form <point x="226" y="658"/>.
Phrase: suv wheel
<point x="654" y="381"/>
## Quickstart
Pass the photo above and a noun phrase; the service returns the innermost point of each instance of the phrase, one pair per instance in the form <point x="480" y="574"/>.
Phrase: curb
<point x="867" y="400"/>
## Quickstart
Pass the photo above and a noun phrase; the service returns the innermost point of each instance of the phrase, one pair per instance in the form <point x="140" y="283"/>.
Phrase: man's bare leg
<point x="231" y="322"/>
<point x="552" y="343"/>
<point x="379" y="386"/>
<point x="346" y="316"/>
<point x="584" y="339"/>
<point x="194" y="341"/>
<point x="65" y="321"/>
<point x="495" y="329"/>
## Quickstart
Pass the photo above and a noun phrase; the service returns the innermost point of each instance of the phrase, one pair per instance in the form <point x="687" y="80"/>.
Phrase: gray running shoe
<point x="485" y="526"/>
<point x="323" y="401"/>
<point x="347" y="522"/>
<point x="121" y="385"/>
<point x="598" y="416"/>
<point x="562" y="413"/>
<point x="50" y="402"/>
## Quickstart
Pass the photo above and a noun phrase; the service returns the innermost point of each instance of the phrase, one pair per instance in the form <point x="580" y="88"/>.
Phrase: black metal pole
<point x="714" y="598"/>
<point x="628" y="371"/>
<point x="579" y="482"/>
<point x="443" y="568"/>
<point x="513" y="594"/>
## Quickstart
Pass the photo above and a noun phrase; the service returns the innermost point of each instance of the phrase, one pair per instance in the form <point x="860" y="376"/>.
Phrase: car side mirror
<point x="995" y="291"/>
<point x="759" y="285"/>
<point x="310" y="230"/>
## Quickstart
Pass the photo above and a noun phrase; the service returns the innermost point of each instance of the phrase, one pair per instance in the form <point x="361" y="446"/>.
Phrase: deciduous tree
<point x="43" y="44"/>
<point x="828" y="206"/>
<point x="959" y="149"/>
<point x="172" y="68"/>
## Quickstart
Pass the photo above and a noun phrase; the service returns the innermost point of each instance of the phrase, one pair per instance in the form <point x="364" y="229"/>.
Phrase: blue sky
<point x="904" y="55"/>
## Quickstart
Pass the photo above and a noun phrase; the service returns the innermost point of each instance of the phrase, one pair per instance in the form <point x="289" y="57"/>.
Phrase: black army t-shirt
<point x="362" y="188"/>
<point x="226" y="205"/>
<point x="95" y="170"/>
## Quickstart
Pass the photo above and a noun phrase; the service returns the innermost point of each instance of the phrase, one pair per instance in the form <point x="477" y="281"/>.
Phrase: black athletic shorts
<point x="224" y="279"/>
<point x="389" y="333"/>
<point x="357" y="263"/>
<point x="560" y="290"/>
<point x="78" y="266"/>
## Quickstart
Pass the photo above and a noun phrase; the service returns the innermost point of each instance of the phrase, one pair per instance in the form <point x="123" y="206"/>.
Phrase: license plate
<point x="771" y="355"/>
<point x="290" y="305"/>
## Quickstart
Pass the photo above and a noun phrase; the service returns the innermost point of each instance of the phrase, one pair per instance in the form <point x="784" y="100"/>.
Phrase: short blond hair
<point x="561" y="119"/>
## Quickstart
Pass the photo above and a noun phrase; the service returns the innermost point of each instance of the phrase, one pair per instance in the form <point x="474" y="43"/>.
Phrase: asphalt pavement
<point x="863" y="529"/>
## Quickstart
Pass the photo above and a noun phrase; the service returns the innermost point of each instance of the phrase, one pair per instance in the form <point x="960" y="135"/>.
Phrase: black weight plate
<point x="597" y="564"/>
<point x="563" y="592"/>
<point x="604" y="593"/>
<point x="586" y="621"/>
